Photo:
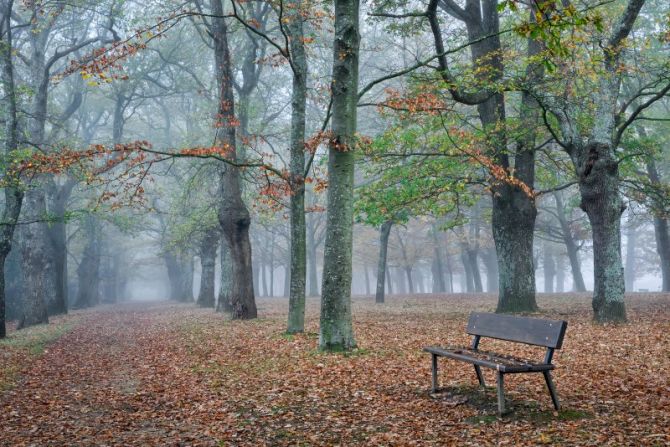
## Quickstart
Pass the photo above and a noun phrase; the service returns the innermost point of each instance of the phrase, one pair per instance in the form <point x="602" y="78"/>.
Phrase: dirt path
<point x="112" y="380"/>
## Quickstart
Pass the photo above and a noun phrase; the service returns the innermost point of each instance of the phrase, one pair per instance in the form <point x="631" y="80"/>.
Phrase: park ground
<point x="154" y="374"/>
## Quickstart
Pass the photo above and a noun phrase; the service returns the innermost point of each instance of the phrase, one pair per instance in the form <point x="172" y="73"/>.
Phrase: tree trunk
<point x="336" y="332"/>
<point x="389" y="282"/>
<point x="313" y="274"/>
<point x="233" y="213"/>
<point x="410" y="280"/>
<point x="513" y="233"/>
<point x="450" y="274"/>
<point x="549" y="268"/>
<point x="570" y="245"/>
<point x="661" y="230"/>
<point x="296" y="303"/>
<point x="367" y="279"/>
<point x="58" y="237"/>
<point x="491" y="263"/>
<point x="384" y="234"/>
<point x="174" y="273"/>
<point x="631" y="242"/>
<point x="437" y="267"/>
<point x="88" y="272"/>
<point x="12" y="191"/>
<point x="208" y="271"/>
<point x="263" y="275"/>
<point x="601" y="200"/>
<point x="560" y="274"/>
<point x="34" y="263"/>
<point x="467" y="272"/>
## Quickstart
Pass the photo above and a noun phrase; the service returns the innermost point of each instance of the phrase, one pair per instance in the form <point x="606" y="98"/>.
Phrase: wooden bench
<point x="531" y="331"/>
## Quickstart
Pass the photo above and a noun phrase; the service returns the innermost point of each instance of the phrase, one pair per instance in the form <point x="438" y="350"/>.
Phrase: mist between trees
<point x="211" y="152"/>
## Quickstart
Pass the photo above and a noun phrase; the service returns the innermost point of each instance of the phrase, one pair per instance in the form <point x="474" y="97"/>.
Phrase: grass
<point x="24" y="345"/>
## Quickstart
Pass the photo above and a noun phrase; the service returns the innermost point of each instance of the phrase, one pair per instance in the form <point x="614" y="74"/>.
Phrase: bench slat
<point x="490" y="360"/>
<point x="532" y="331"/>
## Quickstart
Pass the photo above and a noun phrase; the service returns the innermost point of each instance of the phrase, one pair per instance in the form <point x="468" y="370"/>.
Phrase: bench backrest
<point x="532" y="331"/>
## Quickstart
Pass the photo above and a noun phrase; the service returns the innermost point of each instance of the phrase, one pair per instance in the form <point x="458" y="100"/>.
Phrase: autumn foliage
<point x="172" y="374"/>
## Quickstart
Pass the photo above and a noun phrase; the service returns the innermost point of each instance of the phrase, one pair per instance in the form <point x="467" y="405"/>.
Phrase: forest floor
<point x="168" y="374"/>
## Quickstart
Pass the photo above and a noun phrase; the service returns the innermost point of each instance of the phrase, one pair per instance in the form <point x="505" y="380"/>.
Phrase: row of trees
<point x="494" y="111"/>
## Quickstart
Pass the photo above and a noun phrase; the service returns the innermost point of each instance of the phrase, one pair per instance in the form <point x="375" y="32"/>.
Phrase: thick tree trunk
<point x="336" y="331"/>
<point x="233" y="213"/>
<point x="34" y="261"/>
<point x="208" y="272"/>
<point x="384" y="234"/>
<point x="514" y="216"/>
<point x="601" y="200"/>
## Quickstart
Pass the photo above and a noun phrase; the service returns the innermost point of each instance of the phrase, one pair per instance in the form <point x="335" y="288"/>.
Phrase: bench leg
<point x="552" y="389"/>
<point x="434" y="363"/>
<point x="480" y="376"/>
<point x="501" y="394"/>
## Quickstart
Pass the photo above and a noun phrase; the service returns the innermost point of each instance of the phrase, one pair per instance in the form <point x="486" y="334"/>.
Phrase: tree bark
<point x="384" y="234"/>
<point x="233" y="213"/>
<point x="336" y="331"/>
<point x="296" y="303"/>
<point x="12" y="192"/>
<point x="601" y="200"/>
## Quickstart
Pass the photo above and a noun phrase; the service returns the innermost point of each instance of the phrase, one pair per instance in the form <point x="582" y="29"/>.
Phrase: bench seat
<point x="504" y="363"/>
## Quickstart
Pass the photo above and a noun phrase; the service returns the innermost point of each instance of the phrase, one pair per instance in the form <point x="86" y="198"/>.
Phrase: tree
<point x="592" y="145"/>
<point x="233" y="213"/>
<point x="12" y="189"/>
<point x="336" y="331"/>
